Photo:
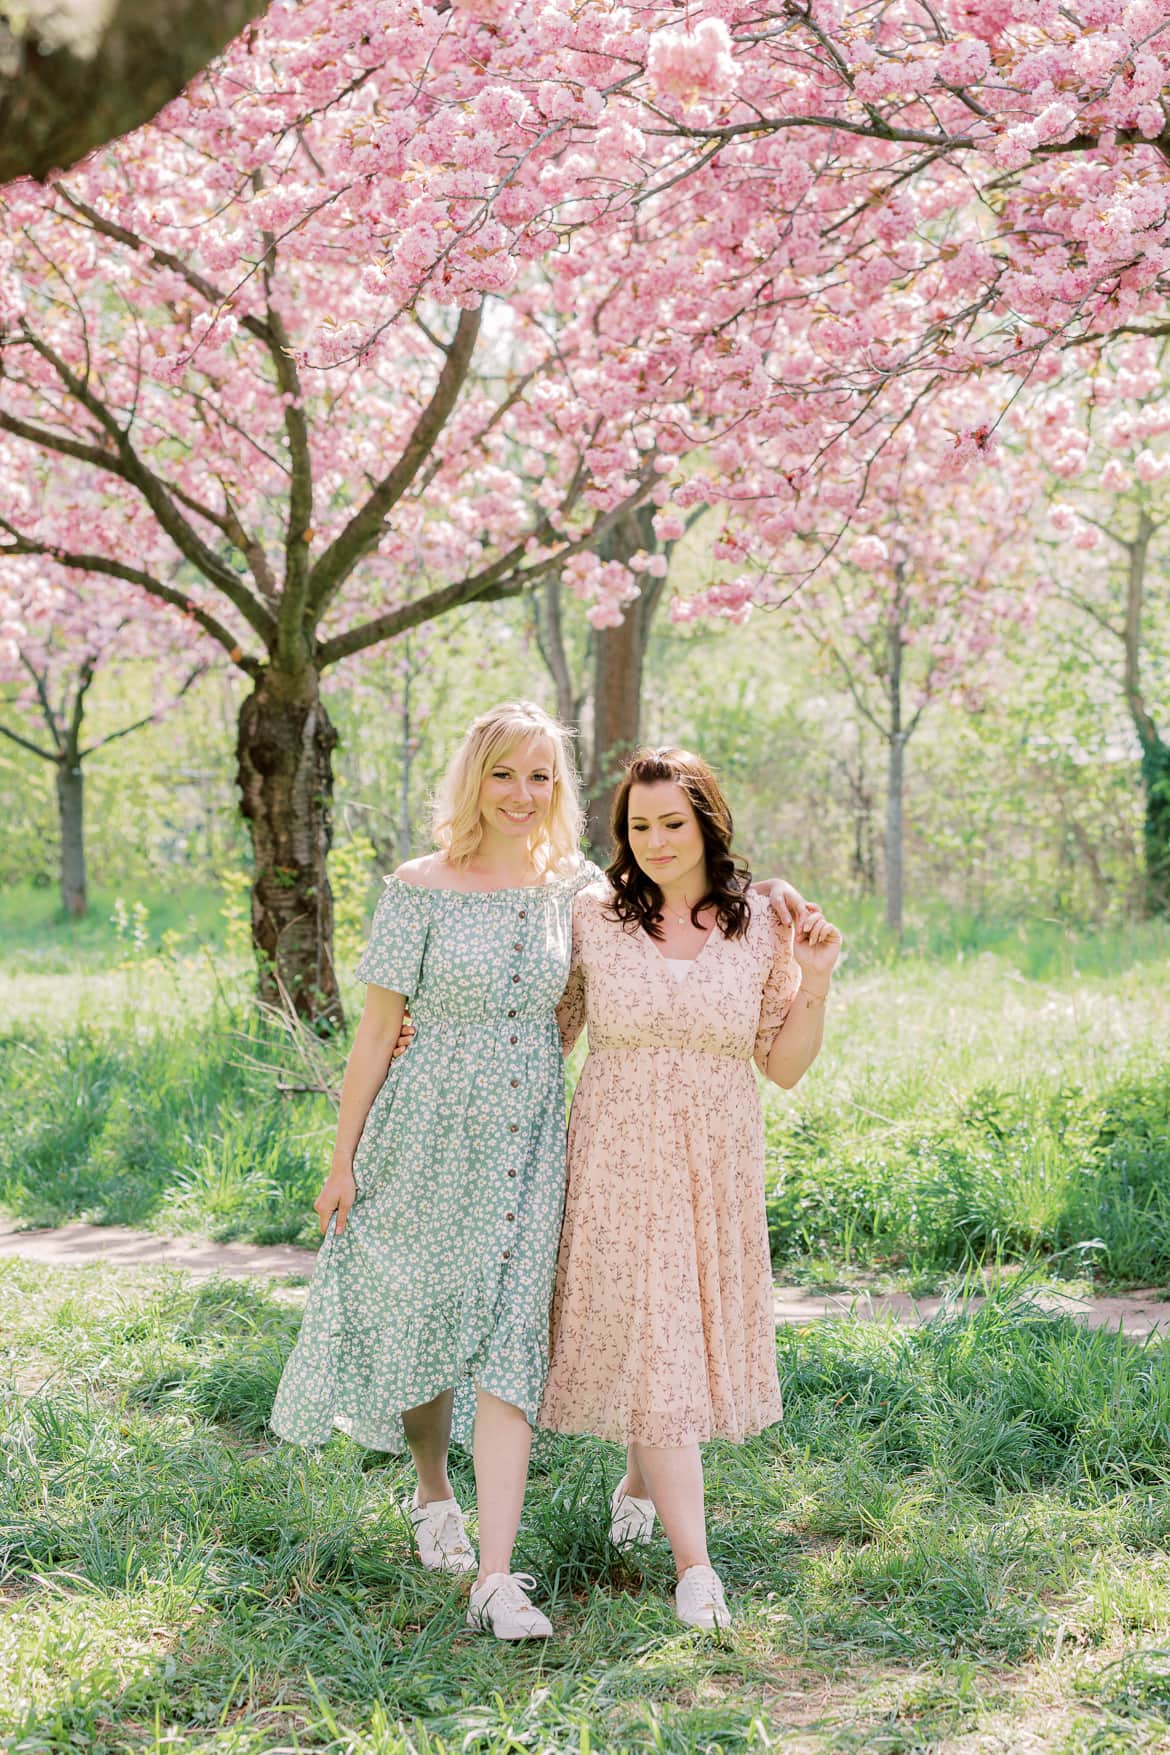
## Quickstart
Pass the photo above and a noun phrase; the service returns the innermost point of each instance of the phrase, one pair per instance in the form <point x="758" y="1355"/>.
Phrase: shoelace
<point x="511" y="1595"/>
<point x="450" y="1535"/>
<point x="712" y="1597"/>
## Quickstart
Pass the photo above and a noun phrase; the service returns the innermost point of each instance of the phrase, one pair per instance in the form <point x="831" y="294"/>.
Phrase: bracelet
<point x="813" y="998"/>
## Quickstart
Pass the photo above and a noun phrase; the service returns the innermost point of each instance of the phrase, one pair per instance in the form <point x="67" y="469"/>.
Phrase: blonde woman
<point x="428" y="1313"/>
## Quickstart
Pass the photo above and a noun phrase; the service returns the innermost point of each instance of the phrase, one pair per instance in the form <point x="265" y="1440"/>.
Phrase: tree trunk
<point x="74" y="74"/>
<point x="895" y="879"/>
<point x="619" y="655"/>
<point x="407" y="762"/>
<point x="617" y="707"/>
<point x="285" y="776"/>
<point x="895" y="766"/>
<point x="1156" y="828"/>
<point x="1155" y="769"/>
<point x="71" y="821"/>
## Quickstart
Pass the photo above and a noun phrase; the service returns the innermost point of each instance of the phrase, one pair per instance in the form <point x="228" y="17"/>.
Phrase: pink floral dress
<point x="662" y="1324"/>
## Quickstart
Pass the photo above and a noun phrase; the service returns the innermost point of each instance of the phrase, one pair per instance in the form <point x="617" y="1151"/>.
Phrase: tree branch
<point x="361" y="534"/>
<point x="34" y="748"/>
<point x="505" y="577"/>
<point x="219" y="632"/>
<point x="150" y="719"/>
<point x="157" y="496"/>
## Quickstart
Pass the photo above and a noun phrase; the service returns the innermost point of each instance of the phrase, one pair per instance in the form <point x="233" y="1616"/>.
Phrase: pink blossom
<point x="1149" y="466"/>
<point x="690" y="64"/>
<point x="869" y="553"/>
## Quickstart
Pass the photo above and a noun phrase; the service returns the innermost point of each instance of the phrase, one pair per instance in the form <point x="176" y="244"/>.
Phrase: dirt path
<point x="1137" y="1314"/>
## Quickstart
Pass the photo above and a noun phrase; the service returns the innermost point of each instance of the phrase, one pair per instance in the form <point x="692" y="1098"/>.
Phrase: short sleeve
<point x="398" y="937"/>
<point x="587" y="873"/>
<point x="571" y="1010"/>
<point x="780" y="987"/>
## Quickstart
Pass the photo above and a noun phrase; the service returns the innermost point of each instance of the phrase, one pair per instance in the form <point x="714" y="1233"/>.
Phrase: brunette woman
<point x="663" y="1326"/>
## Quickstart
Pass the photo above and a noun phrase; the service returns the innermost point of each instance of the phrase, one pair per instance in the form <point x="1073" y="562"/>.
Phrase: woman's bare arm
<point x="365" y="1074"/>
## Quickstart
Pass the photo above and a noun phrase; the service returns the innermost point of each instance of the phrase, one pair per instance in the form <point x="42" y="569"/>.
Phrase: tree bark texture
<point x="618" y="658"/>
<point x="1155" y="766"/>
<point x="71" y="824"/>
<point x="1156" y="827"/>
<point x="285" y="775"/>
<point x="74" y="74"/>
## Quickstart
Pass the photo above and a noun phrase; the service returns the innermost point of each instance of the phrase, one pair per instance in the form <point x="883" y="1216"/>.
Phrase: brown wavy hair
<point x="637" y="899"/>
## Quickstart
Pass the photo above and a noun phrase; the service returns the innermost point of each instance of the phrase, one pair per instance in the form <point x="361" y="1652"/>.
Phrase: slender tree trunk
<point x="895" y="877"/>
<point x="619" y="657"/>
<point x="1155" y="767"/>
<point x="895" y="772"/>
<point x="1156" y="828"/>
<point x="71" y="823"/>
<point x="285" y="776"/>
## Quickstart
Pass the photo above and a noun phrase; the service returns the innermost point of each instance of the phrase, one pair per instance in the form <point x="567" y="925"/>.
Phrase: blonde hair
<point x="455" y="819"/>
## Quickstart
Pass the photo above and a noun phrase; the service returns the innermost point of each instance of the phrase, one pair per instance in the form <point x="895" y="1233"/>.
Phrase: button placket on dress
<point x="514" y="1083"/>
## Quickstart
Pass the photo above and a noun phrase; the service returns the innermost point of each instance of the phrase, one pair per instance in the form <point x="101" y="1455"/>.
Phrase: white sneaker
<point x="699" y="1598"/>
<point x="499" y="1605"/>
<point x="442" y="1540"/>
<point x="631" y="1520"/>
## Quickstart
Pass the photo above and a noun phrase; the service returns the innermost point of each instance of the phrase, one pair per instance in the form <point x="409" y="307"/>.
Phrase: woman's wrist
<point x="808" y="990"/>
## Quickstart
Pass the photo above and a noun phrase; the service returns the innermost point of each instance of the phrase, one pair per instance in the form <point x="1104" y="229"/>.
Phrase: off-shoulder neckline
<point x="478" y="895"/>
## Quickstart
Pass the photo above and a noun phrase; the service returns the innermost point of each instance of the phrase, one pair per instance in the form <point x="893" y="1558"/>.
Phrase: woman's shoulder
<point x="594" y="899"/>
<point x="412" y="881"/>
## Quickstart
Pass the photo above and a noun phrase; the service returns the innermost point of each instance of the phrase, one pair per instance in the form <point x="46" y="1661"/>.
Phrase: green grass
<point x="953" y="1529"/>
<point x="963" y="1111"/>
<point x="166" y="1129"/>
<point x="37" y="936"/>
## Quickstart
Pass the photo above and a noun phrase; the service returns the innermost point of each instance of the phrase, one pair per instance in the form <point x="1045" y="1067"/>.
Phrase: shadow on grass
<point x="944" y="1495"/>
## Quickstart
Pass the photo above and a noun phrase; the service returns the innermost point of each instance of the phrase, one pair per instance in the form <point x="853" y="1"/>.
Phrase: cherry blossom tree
<point x="622" y="583"/>
<point x="246" y="449"/>
<point x="817" y="207"/>
<point x="1103" y="438"/>
<point x="57" y="632"/>
<point x="403" y="306"/>
<point x="912" y="606"/>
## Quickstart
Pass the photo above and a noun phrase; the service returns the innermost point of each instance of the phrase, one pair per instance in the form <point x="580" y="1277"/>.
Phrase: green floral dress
<point x="443" y="1274"/>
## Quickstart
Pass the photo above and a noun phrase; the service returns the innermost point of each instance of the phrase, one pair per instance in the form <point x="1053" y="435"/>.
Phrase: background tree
<point x="1104" y="441"/>
<point x="298" y="515"/>
<point x="56" y="633"/>
<point x="911" y="607"/>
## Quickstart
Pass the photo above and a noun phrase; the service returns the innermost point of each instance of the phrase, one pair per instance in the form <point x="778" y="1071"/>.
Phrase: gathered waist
<point x="734" y="1055"/>
<point x="501" y="1024"/>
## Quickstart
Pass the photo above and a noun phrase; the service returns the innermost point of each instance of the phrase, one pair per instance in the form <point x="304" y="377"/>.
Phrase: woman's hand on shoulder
<point x="791" y="907"/>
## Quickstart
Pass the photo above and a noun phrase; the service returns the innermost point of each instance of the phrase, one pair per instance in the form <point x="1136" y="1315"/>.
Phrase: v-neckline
<point x="663" y="959"/>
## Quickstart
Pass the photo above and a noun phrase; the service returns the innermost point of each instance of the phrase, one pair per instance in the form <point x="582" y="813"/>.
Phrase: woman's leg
<point x="503" y="1440"/>
<point x="674" y="1480"/>
<point x="428" y="1433"/>
<point x="635" y="1482"/>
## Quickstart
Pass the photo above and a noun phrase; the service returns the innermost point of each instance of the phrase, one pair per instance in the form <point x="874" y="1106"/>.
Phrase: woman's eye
<point x="674" y="825"/>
